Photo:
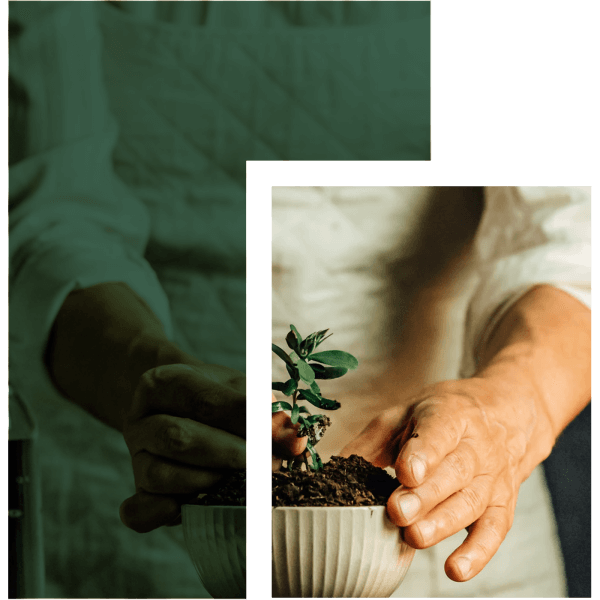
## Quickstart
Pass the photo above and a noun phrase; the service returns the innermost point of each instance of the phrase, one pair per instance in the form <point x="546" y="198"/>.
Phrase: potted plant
<point x="214" y="528"/>
<point x="332" y="537"/>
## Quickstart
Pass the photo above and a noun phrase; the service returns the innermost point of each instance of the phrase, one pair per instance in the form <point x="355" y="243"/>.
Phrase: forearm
<point x="104" y="338"/>
<point x="540" y="355"/>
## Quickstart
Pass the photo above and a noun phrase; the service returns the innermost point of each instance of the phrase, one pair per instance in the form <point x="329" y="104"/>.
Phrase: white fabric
<point x="366" y="268"/>
<point x="528" y="235"/>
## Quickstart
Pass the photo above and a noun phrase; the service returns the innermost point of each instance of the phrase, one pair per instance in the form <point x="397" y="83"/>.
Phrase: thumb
<point x="286" y="443"/>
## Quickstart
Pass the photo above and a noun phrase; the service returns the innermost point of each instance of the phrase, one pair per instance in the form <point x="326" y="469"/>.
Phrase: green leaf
<point x="295" y="414"/>
<point x="321" y="337"/>
<point x="335" y="358"/>
<point x="290" y="387"/>
<point x="322" y="372"/>
<point x="306" y="373"/>
<point x="278" y="386"/>
<point x="307" y="346"/>
<point x="293" y="371"/>
<point x="315" y="388"/>
<point x="281" y="405"/>
<point x="312" y="341"/>
<point x="316" y="459"/>
<point x="297" y="333"/>
<point x="318" y="401"/>
<point x="303" y="421"/>
<point x="312" y="419"/>
<point x="292" y="341"/>
<point x="282" y="354"/>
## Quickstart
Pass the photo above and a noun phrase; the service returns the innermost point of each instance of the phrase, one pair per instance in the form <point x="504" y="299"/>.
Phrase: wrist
<point x="519" y="405"/>
<point x="104" y="338"/>
<point x="540" y="355"/>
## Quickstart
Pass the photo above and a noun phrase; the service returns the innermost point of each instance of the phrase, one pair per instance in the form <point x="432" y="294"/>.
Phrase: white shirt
<point x="411" y="281"/>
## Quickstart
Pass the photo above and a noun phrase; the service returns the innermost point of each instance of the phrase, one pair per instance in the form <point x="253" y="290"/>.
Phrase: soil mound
<point x="230" y="491"/>
<point x="351" y="481"/>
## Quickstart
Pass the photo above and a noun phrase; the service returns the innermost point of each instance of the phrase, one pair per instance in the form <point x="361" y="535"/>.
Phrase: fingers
<point x="186" y="441"/>
<point x="158" y="475"/>
<point x="457" y="512"/>
<point x="436" y="431"/>
<point x="484" y="538"/>
<point x="144" y="512"/>
<point x="286" y="443"/>
<point x="454" y="473"/>
<point x="205" y="394"/>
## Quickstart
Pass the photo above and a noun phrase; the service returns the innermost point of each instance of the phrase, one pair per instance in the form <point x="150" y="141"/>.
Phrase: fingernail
<point x="409" y="505"/>
<point x="417" y="467"/>
<point x="463" y="566"/>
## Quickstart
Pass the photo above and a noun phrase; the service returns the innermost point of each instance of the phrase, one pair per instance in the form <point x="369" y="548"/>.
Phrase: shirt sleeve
<point x="73" y="223"/>
<point x="527" y="236"/>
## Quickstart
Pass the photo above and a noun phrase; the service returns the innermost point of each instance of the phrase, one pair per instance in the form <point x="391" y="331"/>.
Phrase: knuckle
<point x="207" y="405"/>
<point x="460" y="466"/>
<point x="436" y="489"/>
<point x="176" y="439"/>
<point x="148" y="380"/>
<point x="482" y="547"/>
<point x="497" y="525"/>
<point x="451" y="518"/>
<point x="235" y="455"/>
<point x="472" y="498"/>
<point x="152" y="475"/>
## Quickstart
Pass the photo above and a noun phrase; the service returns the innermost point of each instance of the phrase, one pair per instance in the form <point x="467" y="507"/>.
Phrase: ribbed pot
<point x="215" y="537"/>
<point x="337" y="552"/>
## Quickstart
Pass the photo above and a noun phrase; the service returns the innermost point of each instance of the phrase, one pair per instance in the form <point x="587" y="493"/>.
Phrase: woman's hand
<point x="461" y="450"/>
<point x="286" y="443"/>
<point x="185" y="428"/>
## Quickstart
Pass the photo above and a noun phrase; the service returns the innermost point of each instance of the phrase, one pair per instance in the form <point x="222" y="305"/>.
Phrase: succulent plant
<point x="305" y="366"/>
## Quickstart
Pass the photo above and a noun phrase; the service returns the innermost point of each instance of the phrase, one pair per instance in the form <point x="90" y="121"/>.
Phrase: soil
<point x="230" y="491"/>
<point x="348" y="481"/>
<point x="341" y="482"/>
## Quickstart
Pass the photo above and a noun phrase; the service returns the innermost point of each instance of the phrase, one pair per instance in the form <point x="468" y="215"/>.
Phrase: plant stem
<point x="294" y="398"/>
<point x="306" y="462"/>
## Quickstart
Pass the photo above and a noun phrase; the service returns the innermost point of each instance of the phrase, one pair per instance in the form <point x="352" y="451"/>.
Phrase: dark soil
<point x="342" y="482"/>
<point x="230" y="491"/>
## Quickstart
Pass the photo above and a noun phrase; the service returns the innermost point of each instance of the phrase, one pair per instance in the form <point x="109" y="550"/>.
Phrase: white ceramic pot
<point x="337" y="552"/>
<point x="215" y="537"/>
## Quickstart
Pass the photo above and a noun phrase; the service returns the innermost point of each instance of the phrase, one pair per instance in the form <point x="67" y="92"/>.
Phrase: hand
<point x="461" y="450"/>
<point x="286" y="443"/>
<point x="185" y="428"/>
